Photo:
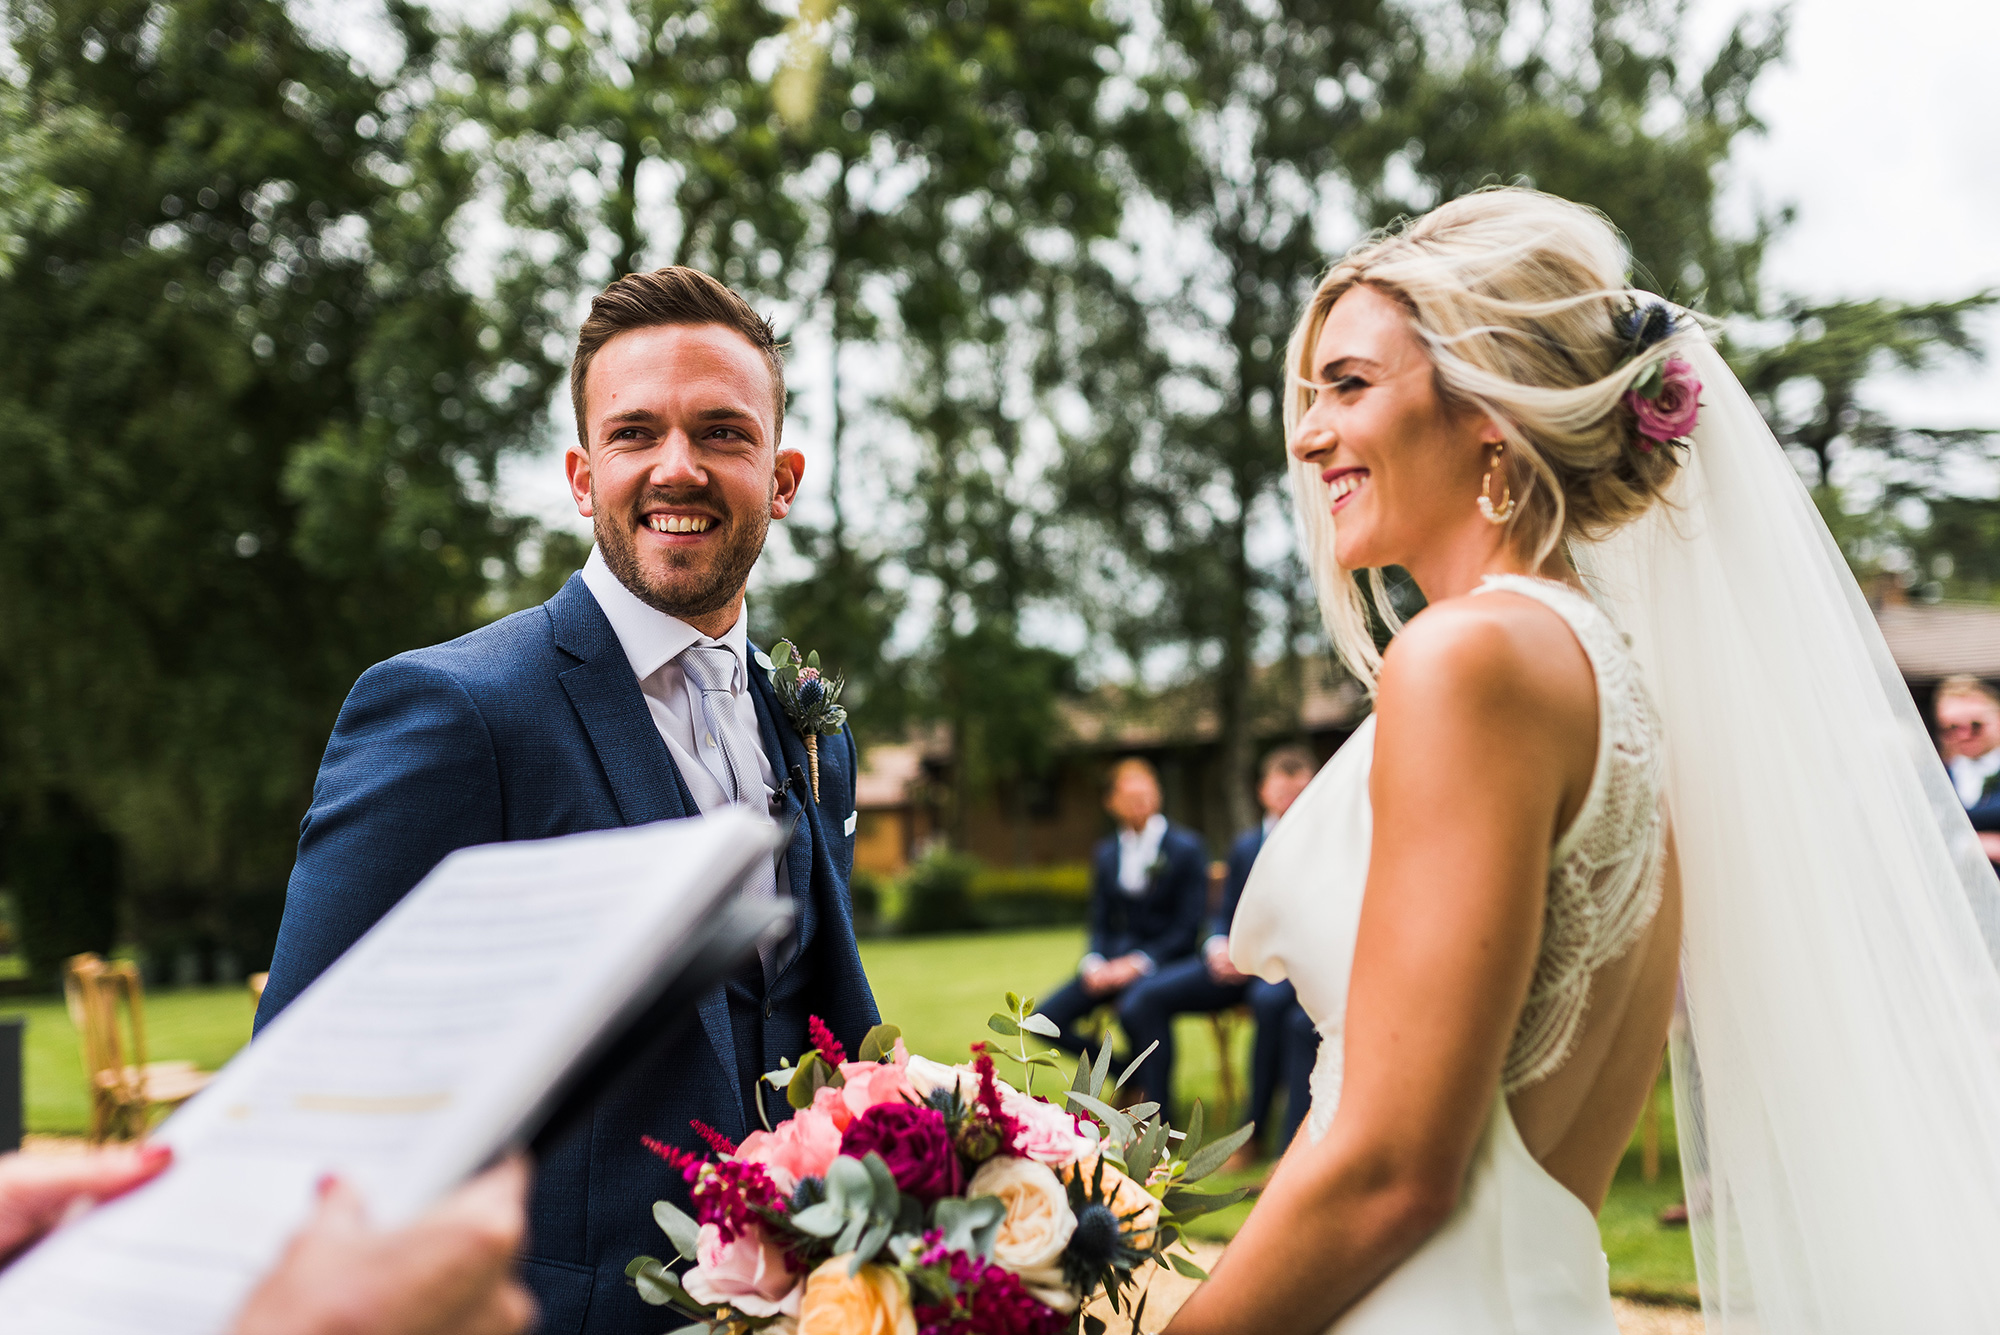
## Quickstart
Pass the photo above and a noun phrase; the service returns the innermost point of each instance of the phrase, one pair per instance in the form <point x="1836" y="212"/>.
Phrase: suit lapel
<point x="787" y="751"/>
<point x="645" y="783"/>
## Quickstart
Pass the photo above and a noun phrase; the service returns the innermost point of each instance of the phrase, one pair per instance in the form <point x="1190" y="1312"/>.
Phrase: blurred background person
<point x="1148" y="890"/>
<point x="449" y="1273"/>
<point x="1209" y="983"/>
<point x="1968" y="724"/>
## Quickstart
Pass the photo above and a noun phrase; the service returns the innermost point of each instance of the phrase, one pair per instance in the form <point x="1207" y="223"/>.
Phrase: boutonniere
<point x="1159" y="865"/>
<point x="811" y="698"/>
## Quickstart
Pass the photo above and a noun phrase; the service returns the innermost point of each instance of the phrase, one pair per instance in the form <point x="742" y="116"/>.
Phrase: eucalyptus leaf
<point x="680" y="1230"/>
<point x="1002" y="1025"/>
<point x="812" y="660"/>
<point x="656" y="1284"/>
<point x="871" y="1242"/>
<point x="969" y="1225"/>
<point x="1139" y="1112"/>
<point x="1137" y="1062"/>
<point x="1116" y="1124"/>
<point x="878" y="1042"/>
<point x="822" y="1220"/>
<point x="764" y="661"/>
<point x="1080" y="1081"/>
<point x="849" y="1184"/>
<point x="1212" y="1155"/>
<point x="1044" y="1058"/>
<point x="1197" y="1123"/>
<point x="1041" y="1024"/>
<point x="850" y="1237"/>
<point x="1185" y="1205"/>
<point x="1100" y="1072"/>
<point x="884" y="1183"/>
<point x="1183" y="1266"/>
<point x="1014" y="1003"/>
<point x="781" y="653"/>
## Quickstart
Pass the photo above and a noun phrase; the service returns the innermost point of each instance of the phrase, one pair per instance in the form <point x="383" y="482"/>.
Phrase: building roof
<point x="1933" y="640"/>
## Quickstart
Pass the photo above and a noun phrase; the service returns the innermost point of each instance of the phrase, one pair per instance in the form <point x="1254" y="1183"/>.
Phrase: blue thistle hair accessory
<point x="1641" y="325"/>
<point x="811" y="699"/>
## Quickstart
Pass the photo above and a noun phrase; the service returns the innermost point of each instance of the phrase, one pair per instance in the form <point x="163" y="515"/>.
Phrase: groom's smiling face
<point x="680" y="472"/>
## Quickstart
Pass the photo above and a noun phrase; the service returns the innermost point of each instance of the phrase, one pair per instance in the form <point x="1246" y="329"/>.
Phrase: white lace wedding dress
<point x="1520" y="1253"/>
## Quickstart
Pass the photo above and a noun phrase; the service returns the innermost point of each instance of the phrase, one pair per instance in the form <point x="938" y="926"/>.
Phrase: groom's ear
<point x="788" y="468"/>
<point x="576" y="464"/>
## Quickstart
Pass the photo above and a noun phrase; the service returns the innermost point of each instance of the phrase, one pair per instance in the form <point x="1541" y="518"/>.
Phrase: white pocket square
<point x="853" y="819"/>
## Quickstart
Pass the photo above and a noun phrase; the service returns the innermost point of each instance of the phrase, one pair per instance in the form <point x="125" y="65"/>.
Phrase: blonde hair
<point x="1513" y="294"/>
<point x="1965" y="688"/>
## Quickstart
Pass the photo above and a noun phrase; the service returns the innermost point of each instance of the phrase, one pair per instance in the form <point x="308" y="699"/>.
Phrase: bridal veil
<point x="1837" y="1058"/>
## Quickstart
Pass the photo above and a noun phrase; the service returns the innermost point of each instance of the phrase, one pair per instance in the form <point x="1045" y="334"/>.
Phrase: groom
<point x="631" y="696"/>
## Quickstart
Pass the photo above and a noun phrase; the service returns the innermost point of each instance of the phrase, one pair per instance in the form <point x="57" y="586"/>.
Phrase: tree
<point x="249" y="427"/>
<point x="1268" y="117"/>
<point x="1809" y="385"/>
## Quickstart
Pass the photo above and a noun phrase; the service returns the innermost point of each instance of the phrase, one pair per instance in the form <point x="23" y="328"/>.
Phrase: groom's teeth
<point x="679" y="523"/>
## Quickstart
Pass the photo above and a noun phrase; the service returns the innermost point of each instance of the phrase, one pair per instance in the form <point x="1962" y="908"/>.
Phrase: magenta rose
<point x="1671" y="413"/>
<point x="913" y="1142"/>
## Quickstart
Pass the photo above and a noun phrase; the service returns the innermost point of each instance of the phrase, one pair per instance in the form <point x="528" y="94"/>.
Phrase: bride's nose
<point x="1314" y="439"/>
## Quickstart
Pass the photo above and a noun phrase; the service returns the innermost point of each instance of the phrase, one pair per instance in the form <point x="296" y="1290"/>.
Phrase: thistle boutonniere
<point x="811" y="698"/>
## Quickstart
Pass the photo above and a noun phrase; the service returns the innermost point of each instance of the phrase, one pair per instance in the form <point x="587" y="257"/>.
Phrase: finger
<point x="492" y="1206"/>
<point x="341" y="1210"/>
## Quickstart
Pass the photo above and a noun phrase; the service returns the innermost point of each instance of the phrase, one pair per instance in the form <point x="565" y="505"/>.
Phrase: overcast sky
<point x="1883" y="133"/>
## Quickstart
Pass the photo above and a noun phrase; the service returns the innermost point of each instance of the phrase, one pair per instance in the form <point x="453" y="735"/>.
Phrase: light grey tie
<point x="712" y="669"/>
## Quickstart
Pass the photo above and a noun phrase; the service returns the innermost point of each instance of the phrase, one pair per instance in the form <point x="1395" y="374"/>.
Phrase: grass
<point x="939" y="990"/>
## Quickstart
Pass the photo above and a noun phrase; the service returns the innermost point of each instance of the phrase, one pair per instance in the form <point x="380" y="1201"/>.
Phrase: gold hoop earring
<point x="1504" y="511"/>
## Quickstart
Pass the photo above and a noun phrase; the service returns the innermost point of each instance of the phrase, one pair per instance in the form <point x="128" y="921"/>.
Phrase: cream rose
<point x="1038" y="1223"/>
<point x="875" y="1300"/>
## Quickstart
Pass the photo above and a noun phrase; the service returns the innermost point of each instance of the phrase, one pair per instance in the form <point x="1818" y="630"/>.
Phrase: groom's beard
<point x="683" y="583"/>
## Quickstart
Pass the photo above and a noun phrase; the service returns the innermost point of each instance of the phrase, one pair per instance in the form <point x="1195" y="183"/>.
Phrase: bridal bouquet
<point x="907" y="1197"/>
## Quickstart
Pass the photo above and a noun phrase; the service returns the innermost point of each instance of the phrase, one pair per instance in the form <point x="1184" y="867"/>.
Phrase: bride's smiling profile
<point x="1480" y="899"/>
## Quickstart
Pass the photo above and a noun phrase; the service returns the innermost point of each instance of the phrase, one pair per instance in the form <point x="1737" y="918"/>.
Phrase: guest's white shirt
<point x="1970" y="773"/>
<point x="1138" y="850"/>
<point x="653" y="643"/>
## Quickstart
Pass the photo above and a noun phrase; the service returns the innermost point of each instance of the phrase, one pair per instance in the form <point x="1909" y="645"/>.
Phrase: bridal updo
<point x="1516" y="296"/>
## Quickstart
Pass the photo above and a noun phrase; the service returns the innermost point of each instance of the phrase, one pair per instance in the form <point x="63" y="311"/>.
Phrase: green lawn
<point x="939" y="990"/>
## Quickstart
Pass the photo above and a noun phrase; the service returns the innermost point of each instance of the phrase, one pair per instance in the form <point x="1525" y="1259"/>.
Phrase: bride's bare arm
<point x="1485" y="738"/>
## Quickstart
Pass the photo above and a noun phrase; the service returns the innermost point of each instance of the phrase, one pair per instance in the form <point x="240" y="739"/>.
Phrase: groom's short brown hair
<point x="670" y="296"/>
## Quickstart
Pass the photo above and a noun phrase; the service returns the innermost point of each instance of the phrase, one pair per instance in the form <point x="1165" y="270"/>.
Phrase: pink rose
<point x="750" y="1274"/>
<point x="870" y="1083"/>
<point x="799" y="1148"/>
<point x="1672" y="412"/>
<point x="1046" y="1133"/>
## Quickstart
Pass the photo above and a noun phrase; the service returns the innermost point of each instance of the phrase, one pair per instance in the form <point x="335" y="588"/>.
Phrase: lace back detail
<point x="1604" y="873"/>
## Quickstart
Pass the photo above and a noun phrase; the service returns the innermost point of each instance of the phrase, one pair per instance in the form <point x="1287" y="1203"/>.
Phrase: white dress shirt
<point x="653" y="643"/>
<point x="1970" y="773"/>
<point x="1138" y="850"/>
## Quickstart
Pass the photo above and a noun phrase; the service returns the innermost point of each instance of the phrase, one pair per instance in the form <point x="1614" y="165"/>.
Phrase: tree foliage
<point x="249" y="424"/>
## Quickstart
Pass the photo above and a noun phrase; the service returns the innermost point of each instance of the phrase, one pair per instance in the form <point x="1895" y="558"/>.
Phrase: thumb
<point x="341" y="1209"/>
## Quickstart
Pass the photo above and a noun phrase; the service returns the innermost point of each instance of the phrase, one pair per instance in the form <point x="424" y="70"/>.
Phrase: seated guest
<point x="1209" y="983"/>
<point x="1148" y="887"/>
<point x="1968" y="723"/>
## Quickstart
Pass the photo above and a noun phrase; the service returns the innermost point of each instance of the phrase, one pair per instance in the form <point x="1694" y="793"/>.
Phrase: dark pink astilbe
<point x="687" y="1165"/>
<point x="989" y="1098"/>
<point x="824" y="1042"/>
<point x="988" y="1300"/>
<point x="734" y="1197"/>
<point x="714" y="1139"/>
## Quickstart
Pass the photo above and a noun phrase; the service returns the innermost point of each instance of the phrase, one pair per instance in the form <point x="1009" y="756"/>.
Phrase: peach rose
<point x="802" y="1147"/>
<point x="1037" y="1227"/>
<point x="875" y="1300"/>
<point x="1047" y="1133"/>
<point x="749" y="1274"/>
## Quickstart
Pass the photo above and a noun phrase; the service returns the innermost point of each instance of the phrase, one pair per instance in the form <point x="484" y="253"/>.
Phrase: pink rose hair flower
<point x="1670" y="412"/>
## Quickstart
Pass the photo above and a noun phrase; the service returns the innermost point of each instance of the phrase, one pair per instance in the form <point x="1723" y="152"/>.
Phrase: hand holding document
<point x="437" y="1040"/>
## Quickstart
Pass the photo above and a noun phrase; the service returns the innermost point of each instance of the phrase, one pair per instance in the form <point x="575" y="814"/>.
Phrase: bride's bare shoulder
<point x="1498" y="652"/>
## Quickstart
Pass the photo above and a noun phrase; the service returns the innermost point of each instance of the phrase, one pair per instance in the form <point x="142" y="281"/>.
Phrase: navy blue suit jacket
<point x="1164" y="920"/>
<point x="1242" y="856"/>
<point x="532" y="727"/>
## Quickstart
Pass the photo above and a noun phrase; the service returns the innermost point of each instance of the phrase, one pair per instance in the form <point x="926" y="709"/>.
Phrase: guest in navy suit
<point x="1148" y="887"/>
<point x="631" y="696"/>
<point x="1286" y="1043"/>
<point x="1968" y="721"/>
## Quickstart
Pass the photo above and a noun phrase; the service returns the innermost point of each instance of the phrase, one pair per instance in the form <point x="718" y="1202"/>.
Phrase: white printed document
<point x="428" y="1047"/>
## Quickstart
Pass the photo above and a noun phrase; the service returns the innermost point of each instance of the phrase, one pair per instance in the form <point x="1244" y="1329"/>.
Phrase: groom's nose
<point x="674" y="463"/>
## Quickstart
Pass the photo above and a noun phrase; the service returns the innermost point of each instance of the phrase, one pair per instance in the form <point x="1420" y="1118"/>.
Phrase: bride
<point x="1645" y="732"/>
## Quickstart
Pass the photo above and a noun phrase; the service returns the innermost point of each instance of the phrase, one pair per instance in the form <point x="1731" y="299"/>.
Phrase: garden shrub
<point x="1032" y="896"/>
<point x="937" y="894"/>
